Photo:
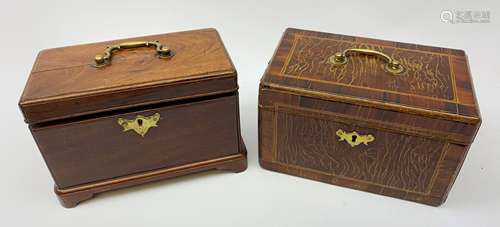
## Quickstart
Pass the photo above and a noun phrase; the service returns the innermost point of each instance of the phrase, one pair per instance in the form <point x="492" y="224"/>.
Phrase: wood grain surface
<point x="436" y="80"/>
<point x="422" y="121"/>
<point x="96" y="149"/>
<point x="64" y="78"/>
<point x="392" y="160"/>
<point x="426" y="73"/>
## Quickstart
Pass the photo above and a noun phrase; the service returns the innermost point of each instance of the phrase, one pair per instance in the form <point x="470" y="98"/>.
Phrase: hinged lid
<point x="65" y="82"/>
<point x="411" y="78"/>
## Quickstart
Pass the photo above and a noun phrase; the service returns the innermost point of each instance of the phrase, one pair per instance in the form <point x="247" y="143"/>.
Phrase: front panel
<point x="342" y="146"/>
<point x="112" y="146"/>
<point x="317" y="142"/>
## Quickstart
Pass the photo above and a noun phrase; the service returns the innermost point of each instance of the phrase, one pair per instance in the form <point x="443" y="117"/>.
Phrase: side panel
<point x="297" y="136"/>
<point x="98" y="149"/>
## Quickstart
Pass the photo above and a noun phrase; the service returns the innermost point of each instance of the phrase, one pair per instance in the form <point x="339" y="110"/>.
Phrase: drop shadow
<point x="155" y="185"/>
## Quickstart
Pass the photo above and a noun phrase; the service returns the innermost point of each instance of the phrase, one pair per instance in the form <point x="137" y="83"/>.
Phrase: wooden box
<point x="391" y="118"/>
<point x="125" y="112"/>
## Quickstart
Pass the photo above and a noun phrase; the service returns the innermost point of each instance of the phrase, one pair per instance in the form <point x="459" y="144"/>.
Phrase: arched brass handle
<point x="105" y="59"/>
<point x="393" y="66"/>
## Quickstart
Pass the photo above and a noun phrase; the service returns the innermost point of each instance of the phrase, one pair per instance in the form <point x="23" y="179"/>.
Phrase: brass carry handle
<point x="393" y="66"/>
<point x="102" y="60"/>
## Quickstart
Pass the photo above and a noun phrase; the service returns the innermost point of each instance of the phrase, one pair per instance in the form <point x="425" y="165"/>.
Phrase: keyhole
<point x="139" y="122"/>
<point x="353" y="138"/>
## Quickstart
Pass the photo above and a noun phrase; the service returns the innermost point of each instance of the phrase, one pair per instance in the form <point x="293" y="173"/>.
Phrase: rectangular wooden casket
<point x="124" y="112"/>
<point x="385" y="117"/>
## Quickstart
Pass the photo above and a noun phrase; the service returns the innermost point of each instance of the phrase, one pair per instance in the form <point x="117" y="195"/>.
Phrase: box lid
<point x="65" y="82"/>
<point x="429" y="81"/>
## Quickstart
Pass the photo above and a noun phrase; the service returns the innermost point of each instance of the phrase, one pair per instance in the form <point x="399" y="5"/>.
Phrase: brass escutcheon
<point x="140" y="124"/>
<point x="354" y="138"/>
<point x="393" y="66"/>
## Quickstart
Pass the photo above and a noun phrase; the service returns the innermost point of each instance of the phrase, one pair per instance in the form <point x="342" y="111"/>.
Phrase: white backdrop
<point x="256" y="197"/>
